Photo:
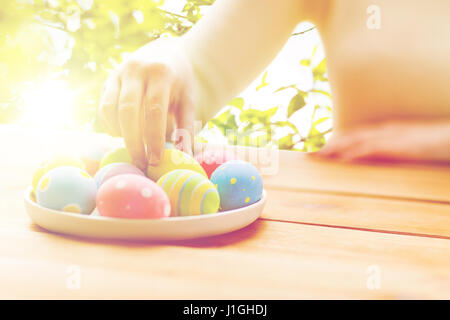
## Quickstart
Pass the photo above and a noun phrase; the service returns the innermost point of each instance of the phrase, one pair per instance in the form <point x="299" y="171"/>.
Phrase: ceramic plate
<point x="176" y="228"/>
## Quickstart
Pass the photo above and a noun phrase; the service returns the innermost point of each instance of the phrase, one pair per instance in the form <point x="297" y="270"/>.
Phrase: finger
<point x="108" y="106"/>
<point x="129" y="112"/>
<point x="373" y="150"/>
<point x="171" y="126"/>
<point x="185" y="122"/>
<point x="342" y="142"/>
<point x="156" y="105"/>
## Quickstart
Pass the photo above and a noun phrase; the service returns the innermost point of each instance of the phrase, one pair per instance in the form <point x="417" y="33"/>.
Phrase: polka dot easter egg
<point x="68" y="189"/>
<point x="190" y="193"/>
<point x="116" y="155"/>
<point x="55" y="162"/>
<point x="115" y="169"/>
<point x="173" y="159"/>
<point x="169" y="145"/>
<point x="239" y="184"/>
<point x="211" y="159"/>
<point x="132" y="196"/>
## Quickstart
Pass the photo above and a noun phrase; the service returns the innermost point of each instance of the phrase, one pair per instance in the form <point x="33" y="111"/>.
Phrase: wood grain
<point x="265" y="260"/>
<point x="380" y="214"/>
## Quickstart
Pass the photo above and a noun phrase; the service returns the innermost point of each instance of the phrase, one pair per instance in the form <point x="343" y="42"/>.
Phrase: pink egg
<point x="131" y="196"/>
<point x="211" y="159"/>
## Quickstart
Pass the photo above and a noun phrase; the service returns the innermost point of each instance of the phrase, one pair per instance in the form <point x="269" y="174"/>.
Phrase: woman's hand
<point x="142" y="98"/>
<point x="409" y="140"/>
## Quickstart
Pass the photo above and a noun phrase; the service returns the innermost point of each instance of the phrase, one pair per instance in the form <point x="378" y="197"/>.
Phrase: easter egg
<point x="92" y="156"/>
<point x="132" y="196"/>
<point x="173" y="159"/>
<point x="68" y="189"/>
<point x="55" y="162"/>
<point x="169" y="145"/>
<point x="33" y="196"/>
<point x="115" y="169"/>
<point x="211" y="159"/>
<point x="190" y="193"/>
<point x="239" y="184"/>
<point x="116" y="155"/>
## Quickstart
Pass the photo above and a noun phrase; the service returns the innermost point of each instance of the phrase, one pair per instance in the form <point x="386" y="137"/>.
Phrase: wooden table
<point x="329" y="230"/>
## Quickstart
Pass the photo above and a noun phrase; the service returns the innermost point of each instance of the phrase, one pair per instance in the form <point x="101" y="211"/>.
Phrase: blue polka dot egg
<point x="68" y="189"/>
<point x="239" y="184"/>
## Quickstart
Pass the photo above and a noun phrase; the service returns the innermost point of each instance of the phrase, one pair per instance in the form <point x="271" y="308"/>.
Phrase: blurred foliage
<point x="245" y="125"/>
<point x="78" y="41"/>
<point x="81" y="41"/>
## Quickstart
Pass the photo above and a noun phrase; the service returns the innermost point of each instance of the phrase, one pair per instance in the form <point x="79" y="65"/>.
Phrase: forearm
<point x="231" y="45"/>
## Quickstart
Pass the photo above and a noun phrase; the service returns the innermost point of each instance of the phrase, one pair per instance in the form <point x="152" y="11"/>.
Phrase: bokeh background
<point x="56" y="54"/>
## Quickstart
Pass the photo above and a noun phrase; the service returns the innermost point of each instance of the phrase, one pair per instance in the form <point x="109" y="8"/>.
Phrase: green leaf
<point x="296" y="103"/>
<point x="320" y="70"/>
<point x="305" y="62"/>
<point x="231" y="122"/>
<point x="270" y="113"/>
<point x="325" y="93"/>
<point x="293" y="86"/>
<point x="315" y="140"/>
<point x="286" y="142"/>
<point x="319" y="121"/>
<point x="263" y="82"/>
<point x="314" y="50"/>
<point x="237" y="102"/>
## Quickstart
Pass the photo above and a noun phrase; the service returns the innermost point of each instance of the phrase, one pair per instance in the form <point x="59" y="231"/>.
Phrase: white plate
<point x="176" y="228"/>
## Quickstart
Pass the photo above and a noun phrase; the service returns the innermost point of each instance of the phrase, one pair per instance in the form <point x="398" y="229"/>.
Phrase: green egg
<point x="116" y="155"/>
<point x="174" y="159"/>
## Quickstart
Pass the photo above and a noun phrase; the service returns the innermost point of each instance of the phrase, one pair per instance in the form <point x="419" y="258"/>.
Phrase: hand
<point x="145" y="95"/>
<point x="416" y="141"/>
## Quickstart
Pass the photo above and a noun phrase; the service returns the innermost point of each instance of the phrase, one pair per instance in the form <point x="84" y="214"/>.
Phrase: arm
<point x="231" y="45"/>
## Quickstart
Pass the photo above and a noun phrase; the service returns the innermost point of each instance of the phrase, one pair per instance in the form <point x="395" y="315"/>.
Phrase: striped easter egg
<point x="190" y="193"/>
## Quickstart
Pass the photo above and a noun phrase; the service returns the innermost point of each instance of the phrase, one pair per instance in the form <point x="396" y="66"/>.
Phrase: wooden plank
<point x="416" y="217"/>
<point x="298" y="171"/>
<point x="268" y="259"/>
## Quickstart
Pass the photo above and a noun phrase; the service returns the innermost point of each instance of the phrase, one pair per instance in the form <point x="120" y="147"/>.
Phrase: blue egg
<point x="239" y="184"/>
<point x="170" y="145"/>
<point x="68" y="189"/>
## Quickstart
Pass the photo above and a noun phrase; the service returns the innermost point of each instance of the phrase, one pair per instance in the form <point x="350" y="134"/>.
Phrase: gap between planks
<point x="360" y="229"/>
<point x="359" y="212"/>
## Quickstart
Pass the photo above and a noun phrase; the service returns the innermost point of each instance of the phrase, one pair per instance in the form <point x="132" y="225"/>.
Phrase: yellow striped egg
<point x="190" y="193"/>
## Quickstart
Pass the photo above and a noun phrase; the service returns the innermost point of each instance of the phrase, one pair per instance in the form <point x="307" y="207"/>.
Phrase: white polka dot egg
<point x="67" y="188"/>
<point x="132" y="196"/>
